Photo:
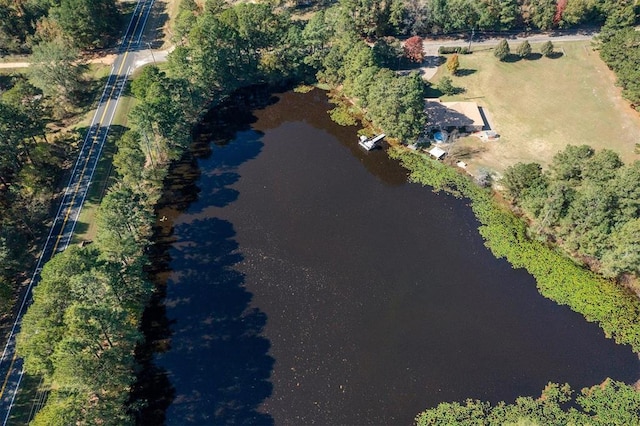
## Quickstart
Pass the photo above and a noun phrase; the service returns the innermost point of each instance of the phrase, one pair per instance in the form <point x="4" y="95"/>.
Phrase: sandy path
<point x="106" y="60"/>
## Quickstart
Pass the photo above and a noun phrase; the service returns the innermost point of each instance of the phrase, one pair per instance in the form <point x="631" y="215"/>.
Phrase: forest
<point x="87" y="24"/>
<point x="82" y="329"/>
<point x="588" y="202"/>
<point x="34" y="106"/>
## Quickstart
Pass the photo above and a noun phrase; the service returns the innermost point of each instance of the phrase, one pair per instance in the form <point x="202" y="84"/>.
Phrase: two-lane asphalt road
<point x="64" y="223"/>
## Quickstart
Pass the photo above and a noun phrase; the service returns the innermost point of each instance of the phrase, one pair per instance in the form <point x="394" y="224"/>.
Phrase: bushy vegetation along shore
<point x="558" y="277"/>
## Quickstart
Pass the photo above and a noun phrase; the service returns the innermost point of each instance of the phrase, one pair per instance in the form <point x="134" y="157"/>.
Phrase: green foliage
<point x="368" y="18"/>
<point x="341" y="115"/>
<point x="42" y="325"/>
<point x="395" y="104"/>
<point x="521" y="178"/>
<point x="391" y="102"/>
<point x="129" y="160"/>
<point x="56" y="72"/>
<point x="316" y="35"/>
<point x="445" y="85"/>
<point x="584" y="201"/>
<point x="123" y="222"/>
<point x="80" y="334"/>
<point x="558" y="277"/>
<point x="567" y="165"/>
<point x="61" y="409"/>
<point x="612" y="403"/>
<point x="163" y="114"/>
<point x="88" y="23"/>
<point x="543" y="13"/>
<point x="447" y="50"/>
<point x="580" y="11"/>
<point x="524" y="49"/>
<point x="623" y="250"/>
<point x="249" y="43"/>
<point x="602" y="167"/>
<point x="547" y="48"/>
<point x="387" y="52"/>
<point x="16" y="24"/>
<point x="502" y="50"/>
<point x="627" y="190"/>
<point x="619" y="49"/>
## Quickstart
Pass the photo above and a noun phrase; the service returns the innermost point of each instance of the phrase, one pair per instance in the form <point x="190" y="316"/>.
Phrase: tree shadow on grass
<point x="432" y="92"/>
<point x="555" y="55"/>
<point x="512" y="58"/>
<point x="465" y="72"/>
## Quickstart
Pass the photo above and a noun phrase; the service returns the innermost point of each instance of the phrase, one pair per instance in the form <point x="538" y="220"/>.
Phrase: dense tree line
<point x="221" y="48"/>
<point x="612" y="403"/>
<point x="373" y="19"/>
<point x="85" y="23"/>
<point x="81" y="330"/>
<point x="29" y="167"/>
<point x="31" y="158"/>
<point x="620" y="50"/>
<point x="589" y="202"/>
<point x="358" y="72"/>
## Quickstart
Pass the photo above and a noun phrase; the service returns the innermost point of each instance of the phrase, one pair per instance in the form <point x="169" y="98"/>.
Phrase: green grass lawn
<point x="541" y="105"/>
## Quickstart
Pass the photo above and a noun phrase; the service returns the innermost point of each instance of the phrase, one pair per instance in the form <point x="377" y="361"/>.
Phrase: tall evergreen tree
<point x="88" y="23"/>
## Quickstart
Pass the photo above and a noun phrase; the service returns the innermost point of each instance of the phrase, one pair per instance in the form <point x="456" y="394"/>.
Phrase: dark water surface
<point x="308" y="283"/>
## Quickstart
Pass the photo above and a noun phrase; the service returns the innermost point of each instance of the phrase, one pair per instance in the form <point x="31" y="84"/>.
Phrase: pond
<point x="304" y="281"/>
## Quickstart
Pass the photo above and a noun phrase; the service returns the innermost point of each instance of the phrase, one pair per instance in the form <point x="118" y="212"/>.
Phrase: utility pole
<point x="154" y="58"/>
<point x="473" y="30"/>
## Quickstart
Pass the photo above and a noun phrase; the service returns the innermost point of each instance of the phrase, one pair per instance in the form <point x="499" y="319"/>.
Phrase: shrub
<point x="447" y="50"/>
<point x="524" y="49"/>
<point x="502" y="50"/>
<point x="453" y="64"/>
<point x="445" y="85"/>
<point x="547" y="48"/>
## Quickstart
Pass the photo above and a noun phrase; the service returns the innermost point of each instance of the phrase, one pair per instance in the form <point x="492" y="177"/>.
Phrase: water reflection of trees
<point x="311" y="108"/>
<point x="204" y="358"/>
<point x="218" y="360"/>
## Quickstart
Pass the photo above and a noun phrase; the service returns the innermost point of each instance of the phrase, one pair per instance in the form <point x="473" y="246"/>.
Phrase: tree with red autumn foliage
<point x="413" y="49"/>
<point x="560" y="7"/>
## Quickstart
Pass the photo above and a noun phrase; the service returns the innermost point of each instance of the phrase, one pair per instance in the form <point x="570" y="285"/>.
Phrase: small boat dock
<point x="370" y="143"/>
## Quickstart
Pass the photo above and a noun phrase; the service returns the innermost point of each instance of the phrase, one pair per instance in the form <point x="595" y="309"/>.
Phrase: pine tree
<point x="547" y="48"/>
<point x="524" y="49"/>
<point x="502" y="50"/>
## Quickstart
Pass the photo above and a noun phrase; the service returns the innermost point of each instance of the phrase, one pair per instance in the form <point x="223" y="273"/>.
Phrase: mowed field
<point x="541" y="105"/>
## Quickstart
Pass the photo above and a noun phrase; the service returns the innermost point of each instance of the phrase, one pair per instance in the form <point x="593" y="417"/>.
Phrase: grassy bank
<point x="558" y="277"/>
